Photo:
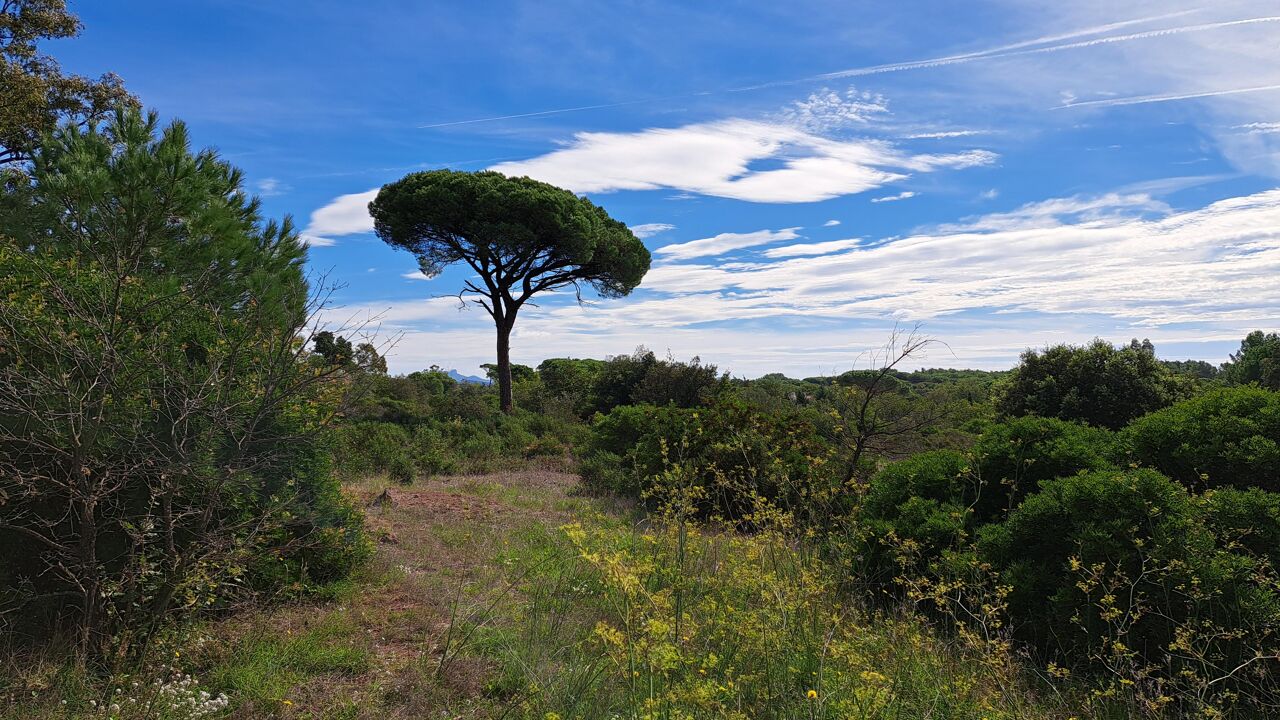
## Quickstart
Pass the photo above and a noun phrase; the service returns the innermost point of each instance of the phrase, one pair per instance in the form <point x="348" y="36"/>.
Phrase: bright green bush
<point x="1012" y="458"/>
<point x="1223" y="437"/>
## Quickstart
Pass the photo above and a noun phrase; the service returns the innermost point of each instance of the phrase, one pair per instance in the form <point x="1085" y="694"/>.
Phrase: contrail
<point x="1026" y="47"/>
<point x="1005" y="52"/>
<point x="1139" y="100"/>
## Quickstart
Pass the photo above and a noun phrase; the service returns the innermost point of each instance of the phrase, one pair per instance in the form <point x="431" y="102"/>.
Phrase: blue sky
<point x="808" y="174"/>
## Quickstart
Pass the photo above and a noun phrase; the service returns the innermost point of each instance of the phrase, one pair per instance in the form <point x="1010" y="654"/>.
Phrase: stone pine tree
<point x="519" y="236"/>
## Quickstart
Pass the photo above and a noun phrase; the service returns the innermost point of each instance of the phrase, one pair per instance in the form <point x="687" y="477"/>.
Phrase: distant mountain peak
<point x="467" y="378"/>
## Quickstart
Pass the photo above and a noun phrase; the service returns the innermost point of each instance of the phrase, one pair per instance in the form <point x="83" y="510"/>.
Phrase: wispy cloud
<point x="720" y="159"/>
<point x="904" y="195"/>
<point x="821" y="248"/>
<point x="725" y="242"/>
<point x="1056" y="212"/>
<point x="1217" y="263"/>
<point x="828" y="110"/>
<point x="1053" y="44"/>
<point x="1259" y="128"/>
<point x="945" y="134"/>
<point x="1144" y="99"/>
<point x="650" y="229"/>
<point x="270" y="187"/>
<point x="1042" y="44"/>
<point x="831" y="223"/>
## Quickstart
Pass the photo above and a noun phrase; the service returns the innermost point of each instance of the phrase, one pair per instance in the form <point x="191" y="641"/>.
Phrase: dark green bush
<point x="1244" y="521"/>
<point x="964" y="490"/>
<point x="1096" y="384"/>
<point x="1125" y="520"/>
<point x="1224" y="437"/>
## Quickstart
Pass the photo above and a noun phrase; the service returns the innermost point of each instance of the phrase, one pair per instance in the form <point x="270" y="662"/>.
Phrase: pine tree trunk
<point x="504" y="368"/>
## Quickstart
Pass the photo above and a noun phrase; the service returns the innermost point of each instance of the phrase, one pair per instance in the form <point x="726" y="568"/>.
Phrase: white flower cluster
<point x="178" y="698"/>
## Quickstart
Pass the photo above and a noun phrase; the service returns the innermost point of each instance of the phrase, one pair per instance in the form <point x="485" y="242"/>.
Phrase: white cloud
<point x="717" y="158"/>
<point x="1218" y="69"/>
<point x="344" y="215"/>
<point x="945" y="134"/>
<point x="831" y="223"/>
<point x="1259" y="128"/>
<point x="414" y="275"/>
<point x="650" y="229"/>
<point x="821" y="248"/>
<point x="1058" y="211"/>
<point x="270" y="187"/>
<point x="904" y="195"/>
<point x="1216" y="264"/>
<point x="725" y="242"/>
<point x="989" y="194"/>
<point x="828" y="110"/>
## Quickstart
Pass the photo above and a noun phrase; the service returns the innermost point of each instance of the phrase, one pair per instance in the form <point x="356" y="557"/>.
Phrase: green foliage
<point x="375" y="448"/>
<point x="1097" y="384"/>
<point x="1124" y="574"/>
<point x="159" y="421"/>
<point x="519" y="373"/>
<point x="1011" y="459"/>
<point x="735" y="456"/>
<point x="938" y="500"/>
<point x="641" y="378"/>
<point x="1245" y="521"/>
<point x="1225" y="436"/>
<point x="37" y="95"/>
<point x="1257" y="361"/>
<point x="1108" y="516"/>
<point x="334" y="349"/>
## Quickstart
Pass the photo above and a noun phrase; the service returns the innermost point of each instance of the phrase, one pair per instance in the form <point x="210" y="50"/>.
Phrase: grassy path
<point x="375" y="650"/>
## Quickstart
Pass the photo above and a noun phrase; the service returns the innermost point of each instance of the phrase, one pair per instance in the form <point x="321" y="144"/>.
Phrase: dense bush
<point x="937" y="500"/>
<point x="736" y="457"/>
<point x="1225" y="436"/>
<point x="1012" y="458"/>
<point x="1257" y="361"/>
<point x="1244" y="521"/>
<point x="1114" y="517"/>
<point x="1122" y="572"/>
<point x="1097" y="384"/>
<point x="159" y="415"/>
<point x="641" y="378"/>
<point x="375" y="448"/>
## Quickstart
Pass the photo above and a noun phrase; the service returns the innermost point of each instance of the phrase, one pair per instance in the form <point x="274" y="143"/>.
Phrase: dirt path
<point x="436" y="542"/>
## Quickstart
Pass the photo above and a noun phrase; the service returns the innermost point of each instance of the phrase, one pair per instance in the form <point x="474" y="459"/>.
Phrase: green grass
<point x="265" y="666"/>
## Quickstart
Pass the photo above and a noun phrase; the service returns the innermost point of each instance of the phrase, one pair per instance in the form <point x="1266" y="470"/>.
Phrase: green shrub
<point x="1244" y="521"/>
<point x="1097" y="384"/>
<point x="737" y="456"/>
<point x="373" y="448"/>
<point x="1012" y="458"/>
<point x="1123" y="520"/>
<point x="938" y="499"/>
<point x="1226" y="436"/>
